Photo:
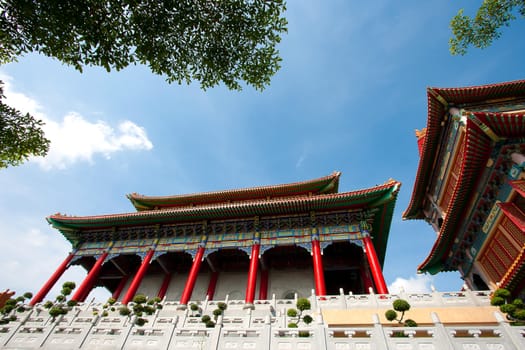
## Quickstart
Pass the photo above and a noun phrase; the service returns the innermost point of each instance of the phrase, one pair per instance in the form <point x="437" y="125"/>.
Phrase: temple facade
<point x="470" y="184"/>
<point x="244" y="244"/>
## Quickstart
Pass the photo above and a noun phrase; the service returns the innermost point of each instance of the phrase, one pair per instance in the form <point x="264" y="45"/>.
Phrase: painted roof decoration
<point x="327" y="184"/>
<point x="439" y="100"/>
<point x="379" y="200"/>
<point x="483" y="130"/>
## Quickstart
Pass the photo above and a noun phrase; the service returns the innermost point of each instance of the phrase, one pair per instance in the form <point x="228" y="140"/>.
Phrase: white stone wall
<point x="282" y="282"/>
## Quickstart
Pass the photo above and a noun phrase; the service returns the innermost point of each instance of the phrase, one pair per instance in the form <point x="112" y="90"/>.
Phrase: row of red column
<point x="320" y="287"/>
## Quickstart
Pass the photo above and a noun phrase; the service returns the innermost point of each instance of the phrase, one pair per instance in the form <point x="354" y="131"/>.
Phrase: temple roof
<point x="365" y="198"/>
<point x="482" y="129"/>
<point x="323" y="185"/>
<point x="379" y="200"/>
<point x="439" y="100"/>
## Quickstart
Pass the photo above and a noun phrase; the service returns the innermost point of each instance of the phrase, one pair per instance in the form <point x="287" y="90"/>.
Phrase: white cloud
<point x="414" y="284"/>
<point x="75" y="138"/>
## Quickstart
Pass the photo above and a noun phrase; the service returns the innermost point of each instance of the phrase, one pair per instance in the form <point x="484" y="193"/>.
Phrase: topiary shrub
<point x="13" y="304"/>
<point x="139" y="321"/>
<point x="291" y="313"/>
<point x="307" y="319"/>
<point x="304" y="334"/>
<point x="140" y="299"/>
<point x="390" y="315"/>
<point x="210" y="324"/>
<point x="217" y="313"/>
<point x="124" y="311"/>
<point x="514" y="310"/>
<point x="410" y="323"/>
<point x="222" y="306"/>
<point x="205" y="318"/>
<point x="399" y="305"/>
<point x="292" y="325"/>
<point x="303" y="304"/>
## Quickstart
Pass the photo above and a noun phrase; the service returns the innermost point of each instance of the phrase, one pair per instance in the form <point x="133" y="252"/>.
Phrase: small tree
<point x="513" y="309"/>
<point x="402" y="306"/>
<point x="143" y="305"/>
<point x="302" y="304"/>
<point x="12" y="304"/>
<point x="61" y="305"/>
<point x="194" y="309"/>
<point x="206" y="319"/>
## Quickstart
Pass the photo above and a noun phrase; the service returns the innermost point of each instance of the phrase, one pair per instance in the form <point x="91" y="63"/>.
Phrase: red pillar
<point x="135" y="283"/>
<point x="320" y="287"/>
<point x="365" y="277"/>
<point x="192" y="277"/>
<point x="164" y="287"/>
<point x="212" y="285"/>
<point x="263" y="287"/>
<point x="252" y="274"/>
<point x="88" y="282"/>
<point x="375" y="267"/>
<point x="120" y="287"/>
<point x="52" y="280"/>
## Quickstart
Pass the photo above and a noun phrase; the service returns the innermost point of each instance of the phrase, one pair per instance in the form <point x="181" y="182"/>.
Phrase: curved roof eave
<point x="356" y="199"/>
<point x="477" y="151"/>
<point x="324" y="185"/>
<point x="438" y="100"/>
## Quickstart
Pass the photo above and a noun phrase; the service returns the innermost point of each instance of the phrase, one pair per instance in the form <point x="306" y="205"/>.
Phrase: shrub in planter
<point x="303" y="304"/>
<point x="124" y="311"/>
<point x="217" y="313"/>
<point x="399" y="305"/>
<point x="513" y="309"/>
<point x="139" y="321"/>
<point x="291" y="313"/>
<point x="140" y="299"/>
<point x="307" y="319"/>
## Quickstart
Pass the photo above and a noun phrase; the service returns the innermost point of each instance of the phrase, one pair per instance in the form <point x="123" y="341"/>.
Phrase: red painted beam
<point x="120" y="287"/>
<point x="164" y="287"/>
<point x="320" y="287"/>
<point x="192" y="277"/>
<point x="375" y="267"/>
<point x="90" y="279"/>
<point x="212" y="285"/>
<point x="52" y="280"/>
<point x="252" y="274"/>
<point x="138" y="278"/>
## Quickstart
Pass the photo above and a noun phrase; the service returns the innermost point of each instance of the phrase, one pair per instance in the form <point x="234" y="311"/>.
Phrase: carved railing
<point x="262" y="326"/>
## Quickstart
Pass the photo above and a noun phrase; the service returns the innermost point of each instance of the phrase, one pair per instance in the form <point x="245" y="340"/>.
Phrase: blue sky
<point x="351" y="92"/>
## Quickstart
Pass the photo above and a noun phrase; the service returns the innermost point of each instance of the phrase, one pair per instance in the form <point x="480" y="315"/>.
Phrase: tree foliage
<point x="514" y="309"/>
<point x="21" y="135"/>
<point x="484" y="28"/>
<point x="210" y="42"/>
<point x="400" y="305"/>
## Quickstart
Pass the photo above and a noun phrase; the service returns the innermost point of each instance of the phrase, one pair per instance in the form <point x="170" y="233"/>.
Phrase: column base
<point x="182" y="307"/>
<point x="248" y="306"/>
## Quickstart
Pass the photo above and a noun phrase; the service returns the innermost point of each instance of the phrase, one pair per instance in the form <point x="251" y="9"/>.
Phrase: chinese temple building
<point x="256" y="254"/>
<point x="244" y="243"/>
<point x="470" y="184"/>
